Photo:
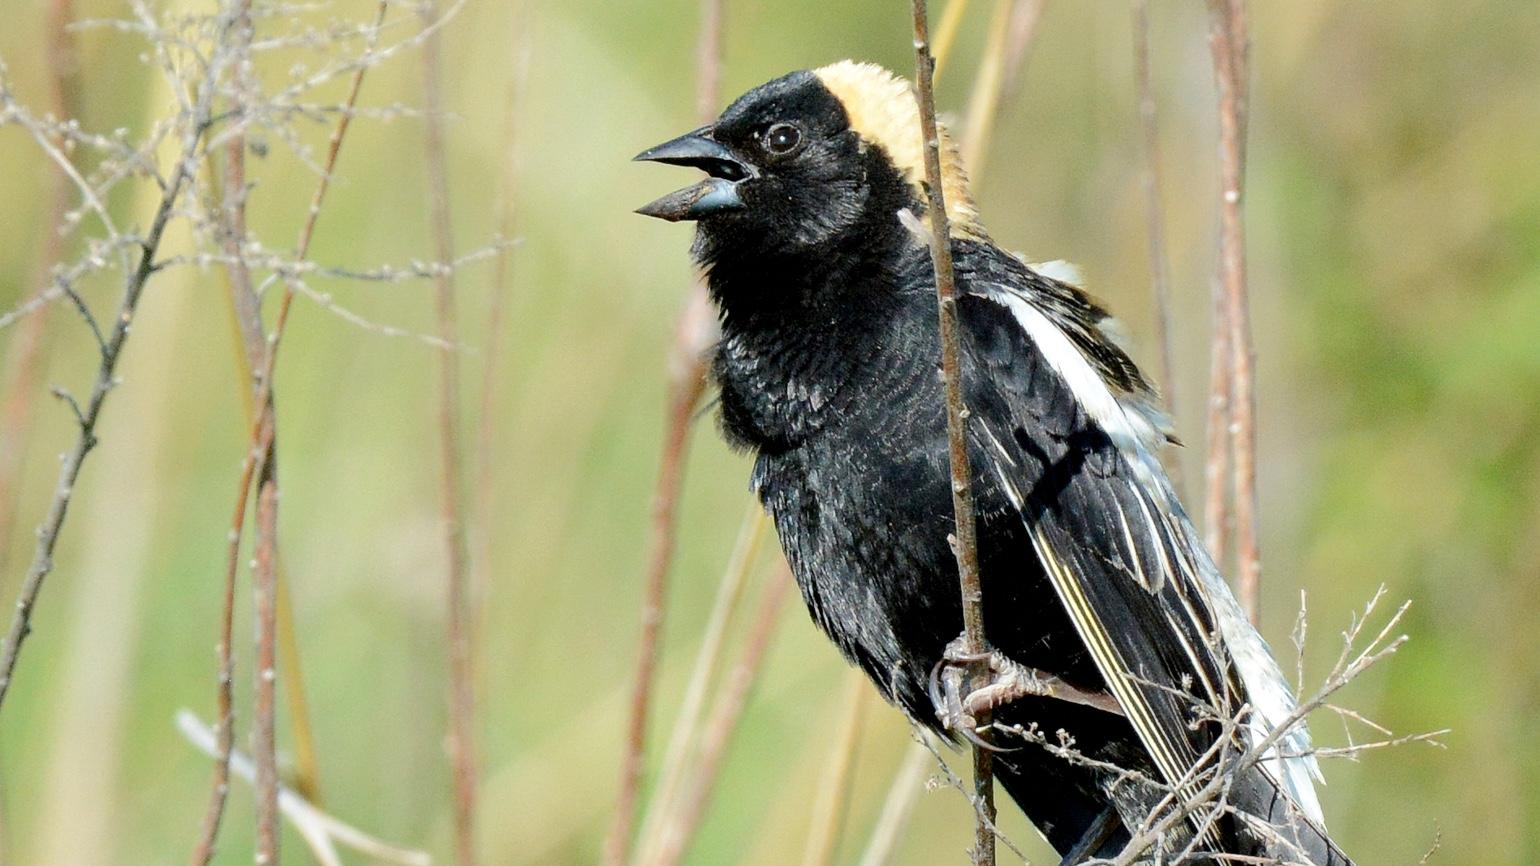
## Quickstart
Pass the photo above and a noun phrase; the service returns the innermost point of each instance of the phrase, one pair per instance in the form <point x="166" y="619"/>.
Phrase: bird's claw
<point x="957" y="705"/>
<point x="1005" y="681"/>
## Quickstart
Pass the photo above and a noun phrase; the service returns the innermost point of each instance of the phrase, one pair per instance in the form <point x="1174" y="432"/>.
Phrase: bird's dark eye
<point x="782" y="138"/>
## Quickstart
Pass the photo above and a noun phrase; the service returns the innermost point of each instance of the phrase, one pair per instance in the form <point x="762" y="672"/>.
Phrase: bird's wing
<point x="1076" y="459"/>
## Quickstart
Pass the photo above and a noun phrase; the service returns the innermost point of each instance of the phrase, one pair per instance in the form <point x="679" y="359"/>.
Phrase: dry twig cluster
<point x="211" y="64"/>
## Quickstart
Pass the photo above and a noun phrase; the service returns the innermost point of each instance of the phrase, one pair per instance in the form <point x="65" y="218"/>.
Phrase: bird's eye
<point x="782" y="138"/>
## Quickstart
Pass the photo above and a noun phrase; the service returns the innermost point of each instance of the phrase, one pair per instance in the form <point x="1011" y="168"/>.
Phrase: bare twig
<point x="687" y="380"/>
<point x="952" y="779"/>
<point x="253" y="467"/>
<point x="964" y="542"/>
<point x="462" y="693"/>
<point x="1230" y="44"/>
<point x="833" y="796"/>
<point x="1155" y="219"/>
<point x="232" y="213"/>
<point x="680" y="826"/>
<point x="1205" y="790"/>
<point x="106" y="374"/>
<point x="22" y="364"/>
<point x="321" y="832"/>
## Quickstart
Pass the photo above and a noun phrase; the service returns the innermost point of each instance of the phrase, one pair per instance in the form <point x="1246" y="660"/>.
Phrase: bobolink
<point x="1092" y="572"/>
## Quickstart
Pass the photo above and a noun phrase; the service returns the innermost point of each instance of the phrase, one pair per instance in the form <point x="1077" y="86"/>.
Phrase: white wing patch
<point x="1137" y="437"/>
<point x="1130" y="430"/>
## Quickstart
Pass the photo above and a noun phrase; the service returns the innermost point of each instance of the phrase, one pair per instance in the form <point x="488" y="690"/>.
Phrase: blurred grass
<point x="1395" y="265"/>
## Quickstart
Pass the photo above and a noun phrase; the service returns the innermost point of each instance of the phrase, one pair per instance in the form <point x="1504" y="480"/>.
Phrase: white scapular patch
<point x="1130" y="429"/>
<point x="1137" y="437"/>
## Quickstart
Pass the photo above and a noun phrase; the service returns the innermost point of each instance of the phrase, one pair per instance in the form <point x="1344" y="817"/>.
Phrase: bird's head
<point x="809" y="157"/>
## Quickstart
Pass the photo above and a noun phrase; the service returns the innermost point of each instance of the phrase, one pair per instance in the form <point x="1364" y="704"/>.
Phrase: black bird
<point x="809" y="236"/>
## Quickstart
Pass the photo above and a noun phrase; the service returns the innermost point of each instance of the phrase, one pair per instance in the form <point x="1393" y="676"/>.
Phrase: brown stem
<point x="965" y="541"/>
<point x="1229" y="43"/>
<point x="687" y="366"/>
<point x="462" y="695"/>
<point x="253" y="467"/>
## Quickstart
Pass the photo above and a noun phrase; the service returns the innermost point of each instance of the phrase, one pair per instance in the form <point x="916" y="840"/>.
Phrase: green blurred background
<point x="1395" y="268"/>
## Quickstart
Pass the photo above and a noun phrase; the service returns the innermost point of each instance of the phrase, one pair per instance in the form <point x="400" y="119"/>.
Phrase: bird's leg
<point x="1007" y="681"/>
<point x="948" y="681"/>
<point x="1012" y="681"/>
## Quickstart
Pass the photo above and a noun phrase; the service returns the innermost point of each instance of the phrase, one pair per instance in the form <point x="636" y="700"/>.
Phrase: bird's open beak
<point x="716" y="194"/>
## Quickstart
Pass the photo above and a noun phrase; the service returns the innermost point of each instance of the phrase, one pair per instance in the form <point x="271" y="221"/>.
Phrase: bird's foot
<point x="964" y="686"/>
<point x="961" y="697"/>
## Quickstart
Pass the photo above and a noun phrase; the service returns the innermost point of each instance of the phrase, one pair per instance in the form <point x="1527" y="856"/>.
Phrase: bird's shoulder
<point x="1019" y="314"/>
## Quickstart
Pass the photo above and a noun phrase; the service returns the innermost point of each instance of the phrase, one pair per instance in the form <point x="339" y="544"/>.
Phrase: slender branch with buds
<point x="965" y="540"/>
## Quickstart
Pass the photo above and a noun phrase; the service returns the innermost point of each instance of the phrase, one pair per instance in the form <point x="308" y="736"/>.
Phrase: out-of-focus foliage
<point x="1395" y="262"/>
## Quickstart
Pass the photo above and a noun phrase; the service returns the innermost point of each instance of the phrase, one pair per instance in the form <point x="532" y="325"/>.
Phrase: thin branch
<point x="965" y="541"/>
<point x="244" y="302"/>
<point x="1230" y="44"/>
<point x="1222" y="764"/>
<point x="106" y="377"/>
<point x="680" y="826"/>
<point x="695" y="332"/>
<point x="832" y="799"/>
<point x="458" y="623"/>
<point x="1155" y="218"/>
<point x="953" y="780"/>
<point x="253" y="467"/>
<point x="321" y="832"/>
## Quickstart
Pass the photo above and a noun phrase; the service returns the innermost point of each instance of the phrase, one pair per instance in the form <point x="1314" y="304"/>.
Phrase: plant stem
<point x="1229" y="42"/>
<point x="965" y="540"/>
<point x="462" y="695"/>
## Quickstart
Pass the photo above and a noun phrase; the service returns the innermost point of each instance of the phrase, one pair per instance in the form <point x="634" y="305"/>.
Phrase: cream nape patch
<point x="884" y="111"/>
